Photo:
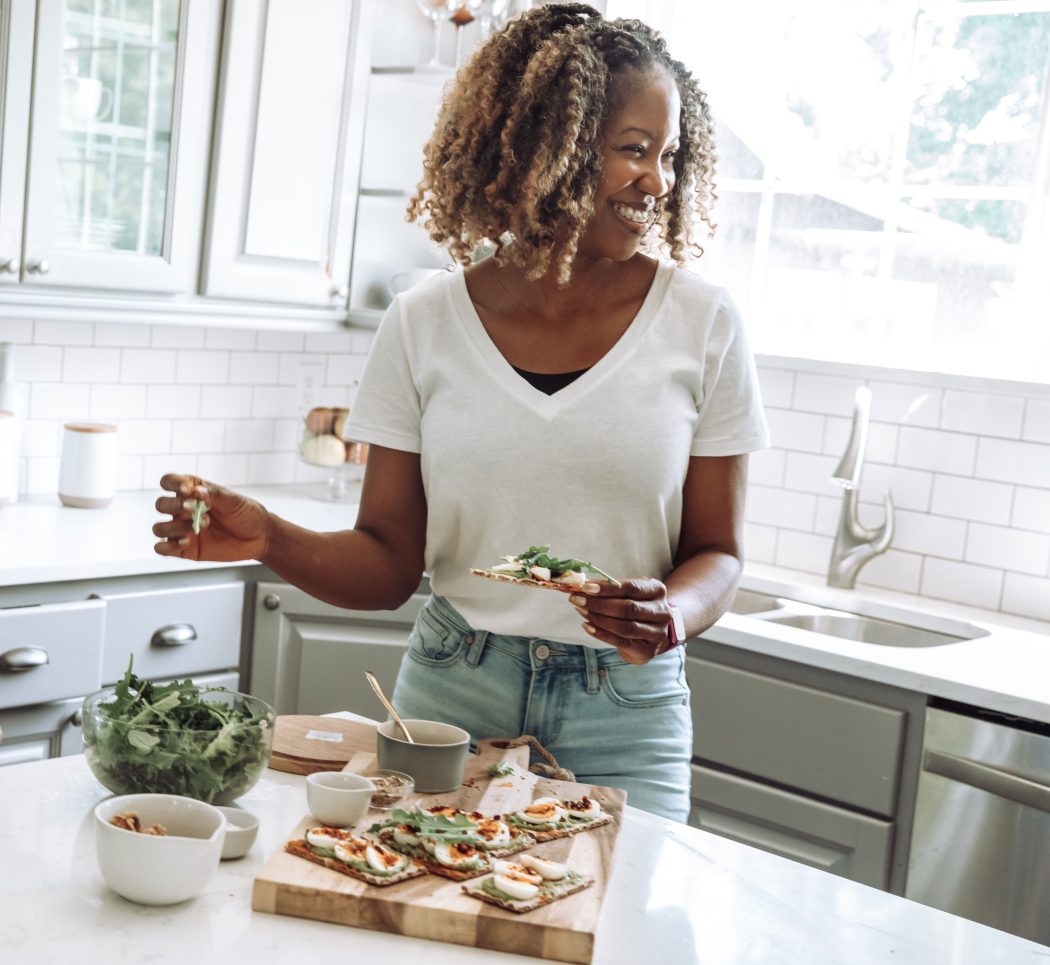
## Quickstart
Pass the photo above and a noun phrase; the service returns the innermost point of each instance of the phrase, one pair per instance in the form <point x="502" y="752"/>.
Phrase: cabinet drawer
<point x="173" y="633"/>
<point x="41" y="731"/>
<point x="59" y="645"/>
<point x="832" y="746"/>
<point x="854" y="846"/>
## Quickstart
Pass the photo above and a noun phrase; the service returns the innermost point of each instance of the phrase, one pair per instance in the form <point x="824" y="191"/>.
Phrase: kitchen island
<point x="677" y="895"/>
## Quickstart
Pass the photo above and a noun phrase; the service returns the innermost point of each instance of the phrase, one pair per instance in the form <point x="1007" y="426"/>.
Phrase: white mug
<point x="85" y="99"/>
<point x="404" y="280"/>
<point x="87" y="472"/>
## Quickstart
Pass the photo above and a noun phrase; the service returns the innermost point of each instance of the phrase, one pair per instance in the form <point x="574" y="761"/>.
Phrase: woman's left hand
<point x="633" y="617"/>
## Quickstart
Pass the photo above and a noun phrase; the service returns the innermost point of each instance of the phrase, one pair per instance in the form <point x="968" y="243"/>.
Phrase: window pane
<point x="728" y="257"/>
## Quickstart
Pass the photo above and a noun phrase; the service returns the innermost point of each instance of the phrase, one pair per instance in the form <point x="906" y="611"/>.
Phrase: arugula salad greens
<point x="177" y="738"/>
<point x="200" y="507"/>
<point x="440" y="826"/>
<point x="540" y="556"/>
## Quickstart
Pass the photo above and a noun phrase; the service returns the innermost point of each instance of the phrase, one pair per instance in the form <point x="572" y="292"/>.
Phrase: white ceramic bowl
<point x="241" y="829"/>
<point x="338" y="799"/>
<point x="159" y="869"/>
<point x="435" y="761"/>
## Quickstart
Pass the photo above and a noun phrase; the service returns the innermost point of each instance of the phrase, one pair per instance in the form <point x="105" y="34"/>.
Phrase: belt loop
<point x="474" y="650"/>
<point x="590" y="662"/>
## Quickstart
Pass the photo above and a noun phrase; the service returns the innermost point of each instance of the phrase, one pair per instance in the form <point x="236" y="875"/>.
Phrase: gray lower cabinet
<point x="309" y="657"/>
<point x="804" y="762"/>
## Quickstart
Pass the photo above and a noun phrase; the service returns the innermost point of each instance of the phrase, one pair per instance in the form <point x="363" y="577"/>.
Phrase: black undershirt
<point x="549" y="382"/>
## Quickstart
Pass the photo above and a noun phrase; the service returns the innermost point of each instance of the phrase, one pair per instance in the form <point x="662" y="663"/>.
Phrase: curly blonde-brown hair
<point x="516" y="154"/>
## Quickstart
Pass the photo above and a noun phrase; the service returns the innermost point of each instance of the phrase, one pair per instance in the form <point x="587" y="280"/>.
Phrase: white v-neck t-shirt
<point x="595" y="470"/>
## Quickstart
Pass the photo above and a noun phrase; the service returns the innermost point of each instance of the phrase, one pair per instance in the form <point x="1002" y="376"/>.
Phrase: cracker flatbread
<point x="301" y="849"/>
<point x="424" y="858"/>
<point x="526" y="581"/>
<point x="549" y="891"/>
<point x="563" y="832"/>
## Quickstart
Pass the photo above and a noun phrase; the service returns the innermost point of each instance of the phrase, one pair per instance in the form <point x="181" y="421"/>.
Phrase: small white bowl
<point x="159" y="869"/>
<point x="338" y="799"/>
<point x="241" y="829"/>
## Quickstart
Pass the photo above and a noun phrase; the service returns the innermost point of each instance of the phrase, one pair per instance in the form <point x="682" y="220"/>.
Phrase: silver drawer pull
<point x="23" y="658"/>
<point x="174" y="635"/>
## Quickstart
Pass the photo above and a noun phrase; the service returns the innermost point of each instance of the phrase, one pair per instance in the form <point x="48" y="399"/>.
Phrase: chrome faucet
<point x="856" y="544"/>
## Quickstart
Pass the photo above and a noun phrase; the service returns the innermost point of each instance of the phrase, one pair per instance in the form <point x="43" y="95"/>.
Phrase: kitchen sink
<point x="749" y="601"/>
<point x="851" y="626"/>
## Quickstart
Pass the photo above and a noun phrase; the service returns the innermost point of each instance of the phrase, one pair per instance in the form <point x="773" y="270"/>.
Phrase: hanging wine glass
<point x="461" y="18"/>
<point x="438" y="11"/>
<point x="490" y="14"/>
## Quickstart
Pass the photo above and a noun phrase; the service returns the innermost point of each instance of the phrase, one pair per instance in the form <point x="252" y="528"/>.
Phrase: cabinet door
<point x="854" y="846"/>
<point x="309" y="657"/>
<point x="16" y="77"/>
<point x="288" y="137"/>
<point x="119" y="143"/>
<point x="41" y="731"/>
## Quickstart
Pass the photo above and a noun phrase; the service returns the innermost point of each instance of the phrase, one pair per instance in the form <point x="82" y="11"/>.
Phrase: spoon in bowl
<point x="371" y="678"/>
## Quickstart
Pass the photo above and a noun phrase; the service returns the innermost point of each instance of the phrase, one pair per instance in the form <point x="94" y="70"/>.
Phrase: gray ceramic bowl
<point x="435" y="761"/>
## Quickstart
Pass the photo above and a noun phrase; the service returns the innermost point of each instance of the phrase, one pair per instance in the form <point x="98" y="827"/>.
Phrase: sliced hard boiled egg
<point x="584" y="807"/>
<point x="540" y="573"/>
<point x="495" y="833"/>
<point x="545" y="810"/>
<point x="406" y="834"/>
<point x="512" y="868"/>
<point x="516" y="886"/>
<point x="383" y="860"/>
<point x="457" y="855"/>
<point x="353" y="849"/>
<point x="326" y="837"/>
<point x="508" y="568"/>
<point x="572" y="578"/>
<point x="550" y="870"/>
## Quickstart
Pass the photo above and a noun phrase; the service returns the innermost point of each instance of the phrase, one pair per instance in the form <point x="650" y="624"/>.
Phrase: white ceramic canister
<point x="87" y="473"/>
<point x="9" y="434"/>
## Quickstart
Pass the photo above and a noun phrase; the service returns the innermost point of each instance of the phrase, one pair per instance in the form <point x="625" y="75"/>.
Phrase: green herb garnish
<point x="177" y="738"/>
<point x="502" y="769"/>
<point x="540" y="556"/>
<point x="199" y="509"/>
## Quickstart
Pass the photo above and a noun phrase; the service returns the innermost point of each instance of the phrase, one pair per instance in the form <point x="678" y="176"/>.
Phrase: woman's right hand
<point x="233" y="528"/>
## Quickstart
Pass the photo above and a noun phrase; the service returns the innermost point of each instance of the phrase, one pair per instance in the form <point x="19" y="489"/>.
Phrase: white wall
<point x="968" y="461"/>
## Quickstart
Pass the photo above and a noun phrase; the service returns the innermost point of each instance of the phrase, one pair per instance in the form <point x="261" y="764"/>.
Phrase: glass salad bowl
<point x="210" y="744"/>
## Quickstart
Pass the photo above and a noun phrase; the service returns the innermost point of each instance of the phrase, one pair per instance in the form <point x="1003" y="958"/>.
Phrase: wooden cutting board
<point x="305" y="744"/>
<point x="436" y="908"/>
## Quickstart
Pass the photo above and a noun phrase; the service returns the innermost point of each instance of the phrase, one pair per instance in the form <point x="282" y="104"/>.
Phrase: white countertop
<point x="1007" y="670"/>
<point x="677" y="895"/>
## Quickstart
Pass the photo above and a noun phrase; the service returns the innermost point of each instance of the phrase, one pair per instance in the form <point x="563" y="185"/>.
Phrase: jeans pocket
<point x="658" y="683"/>
<point x="434" y="641"/>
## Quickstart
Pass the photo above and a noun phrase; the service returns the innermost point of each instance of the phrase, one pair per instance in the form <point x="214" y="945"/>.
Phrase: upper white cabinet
<point x="106" y="134"/>
<point x="287" y="151"/>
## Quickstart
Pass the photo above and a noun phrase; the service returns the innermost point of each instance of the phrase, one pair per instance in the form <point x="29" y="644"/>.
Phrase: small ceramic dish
<point x="392" y="787"/>
<point x="171" y="860"/>
<point x="241" y="829"/>
<point x="338" y="799"/>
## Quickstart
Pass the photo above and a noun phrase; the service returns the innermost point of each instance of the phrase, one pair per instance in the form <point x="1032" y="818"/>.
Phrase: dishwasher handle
<point x="1020" y="790"/>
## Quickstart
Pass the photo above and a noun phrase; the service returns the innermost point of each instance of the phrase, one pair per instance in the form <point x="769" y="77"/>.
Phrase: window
<point x="883" y="178"/>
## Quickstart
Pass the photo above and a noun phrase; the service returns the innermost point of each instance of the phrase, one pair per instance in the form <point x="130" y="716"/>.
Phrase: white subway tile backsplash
<point x="328" y="343"/>
<point x="287" y="434"/>
<point x="829" y="394"/>
<point x="982" y="414"/>
<point x="121" y="335"/>
<point x="248" y="435"/>
<point x="1009" y="549"/>
<point x="760" y="543"/>
<point x="1027" y="596"/>
<point x="808" y="552"/>
<point x="177" y="336"/>
<point x="1031" y="509"/>
<point x="1037" y="420"/>
<point x="929" y="535"/>
<point x="129" y="472"/>
<point x="63" y="333"/>
<point x="156" y="466"/>
<point x="144" y="437"/>
<point x="779" y="507"/>
<point x="280" y="341"/>
<point x="766" y="467"/>
<point x="1024" y="463"/>
<point x="963" y="498"/>
<point x="198" y="435"/>
<point x="42" y="474"/>
<point x="150" y="365"/>
<point x="882" y="439"/>
<point x="228" y="468"/>
<point x="173" y="401"/>
<point x="345" y="370"/>
<point x="202" y="367"/>
<point x="231" y="402"/>
<point x="903" y="404"/>
<point x="777" y="386"/>
<point x="291" y="364"/>
<point x="273" y="402"/>
<point x="38" y="363"/>
<point x="112" y="402"/>
<point x="271" y="468"/>
<point x="893" y="570"/>
<point x="978" y="586"/>
<point x="91" y="364"/>
<point x="361" y="342"/>
<point x="795" y="430"/>
<point x="254" y="368"/>
<point x="949" y="452"/>
<point x="910" y="487"/>
<point x="55" y="400"/>
<point x="829" y="508"/>
<point x="16" y="331"/>
<point x="809" y="473"/>
<point x="239" y="339"/>
<point x="41" y="437"/>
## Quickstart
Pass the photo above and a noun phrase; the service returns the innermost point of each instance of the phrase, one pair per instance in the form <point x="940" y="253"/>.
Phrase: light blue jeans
<point x="609" y="722"/>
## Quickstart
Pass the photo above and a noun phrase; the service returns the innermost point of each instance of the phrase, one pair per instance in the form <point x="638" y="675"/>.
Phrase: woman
<point x="568" y="390"/>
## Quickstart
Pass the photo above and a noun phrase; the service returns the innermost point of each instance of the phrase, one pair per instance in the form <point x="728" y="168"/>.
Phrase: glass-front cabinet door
<point x="118" y="146"/>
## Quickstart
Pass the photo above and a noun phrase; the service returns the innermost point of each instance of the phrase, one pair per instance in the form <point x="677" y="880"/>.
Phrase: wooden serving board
<point x="305" y="744"/>
<point x="436" y="908"/>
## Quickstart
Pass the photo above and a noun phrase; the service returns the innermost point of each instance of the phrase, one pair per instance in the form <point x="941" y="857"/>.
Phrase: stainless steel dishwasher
<point x="981" y="839"/>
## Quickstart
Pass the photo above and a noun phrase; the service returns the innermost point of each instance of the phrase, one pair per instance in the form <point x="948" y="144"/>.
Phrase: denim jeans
<point x="610" y="722"/>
